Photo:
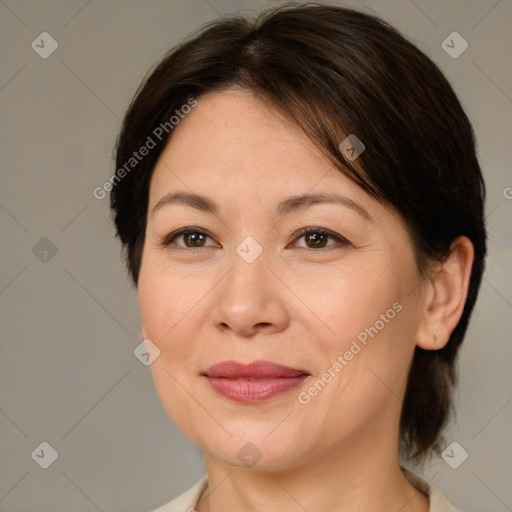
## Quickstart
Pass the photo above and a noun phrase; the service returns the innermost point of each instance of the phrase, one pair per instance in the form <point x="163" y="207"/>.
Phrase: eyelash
<point x="341" y="241"/>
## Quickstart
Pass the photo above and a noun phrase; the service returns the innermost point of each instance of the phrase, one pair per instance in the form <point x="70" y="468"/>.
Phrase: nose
<point x="250" y="300"/>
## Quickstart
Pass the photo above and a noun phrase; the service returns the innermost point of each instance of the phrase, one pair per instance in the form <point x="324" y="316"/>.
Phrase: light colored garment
<point x="187" y="501"/>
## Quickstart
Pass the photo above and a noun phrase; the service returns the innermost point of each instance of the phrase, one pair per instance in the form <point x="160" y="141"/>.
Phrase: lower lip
<point x="253" y="391"/>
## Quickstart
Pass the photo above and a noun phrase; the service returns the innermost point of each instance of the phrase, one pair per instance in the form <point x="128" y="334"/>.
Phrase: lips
<point x="254" y="382"/>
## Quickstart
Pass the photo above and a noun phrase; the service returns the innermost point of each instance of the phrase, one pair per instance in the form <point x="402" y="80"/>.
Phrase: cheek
<point x="369" y="321"/>
<point x="165" y="302"/>
<point x="345" y="302"/>
<point x="162" y="308"/>
<point x="174" y="315"/>
<point x="367" y="374"/>
<point x="167" y="324"/>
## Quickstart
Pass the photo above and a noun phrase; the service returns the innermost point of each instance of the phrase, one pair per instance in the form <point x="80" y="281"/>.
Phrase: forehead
<point x="232" y="124"/>
<point x="235" y="139"/>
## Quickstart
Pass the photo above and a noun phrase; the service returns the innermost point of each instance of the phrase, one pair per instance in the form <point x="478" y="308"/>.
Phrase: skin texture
<point x="296" y="305"/>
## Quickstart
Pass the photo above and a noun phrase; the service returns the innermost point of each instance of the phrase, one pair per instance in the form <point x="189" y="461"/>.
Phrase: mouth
<point x="255" y="382"/>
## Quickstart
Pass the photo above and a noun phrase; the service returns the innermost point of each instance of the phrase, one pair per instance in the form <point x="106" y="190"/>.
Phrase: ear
<point x="446" y="292"/>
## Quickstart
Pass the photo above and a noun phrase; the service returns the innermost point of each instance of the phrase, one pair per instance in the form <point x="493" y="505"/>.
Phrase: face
<point x="282" y="321"/>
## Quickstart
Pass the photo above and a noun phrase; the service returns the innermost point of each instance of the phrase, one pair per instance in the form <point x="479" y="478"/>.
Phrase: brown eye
<point x="187" y="239"/>
<point x="317" y="238"/>
<point x="194" y="239"/>
<point x="314" y="239"/>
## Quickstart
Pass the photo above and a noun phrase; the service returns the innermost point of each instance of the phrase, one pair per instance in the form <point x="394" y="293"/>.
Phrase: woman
<point x="302" y="213"/>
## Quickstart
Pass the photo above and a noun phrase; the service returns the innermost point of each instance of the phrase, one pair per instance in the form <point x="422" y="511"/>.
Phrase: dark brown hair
<point x="335" y="71"/>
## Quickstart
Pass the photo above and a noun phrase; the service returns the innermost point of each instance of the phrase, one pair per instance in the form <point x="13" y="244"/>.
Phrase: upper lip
<point x="256" y="369"/>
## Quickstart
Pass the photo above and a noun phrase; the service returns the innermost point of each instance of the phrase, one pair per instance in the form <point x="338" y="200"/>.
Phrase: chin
<point x="255" y="453"/>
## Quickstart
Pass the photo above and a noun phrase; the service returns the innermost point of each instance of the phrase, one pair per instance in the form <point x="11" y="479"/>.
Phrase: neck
<point x="362" y="473"/>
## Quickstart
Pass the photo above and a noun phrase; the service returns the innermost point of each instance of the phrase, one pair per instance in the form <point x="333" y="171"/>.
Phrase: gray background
<point x="70" y="321"/>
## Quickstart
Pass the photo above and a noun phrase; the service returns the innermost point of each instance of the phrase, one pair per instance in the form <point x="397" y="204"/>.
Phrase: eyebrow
<point x="293" y="203"/>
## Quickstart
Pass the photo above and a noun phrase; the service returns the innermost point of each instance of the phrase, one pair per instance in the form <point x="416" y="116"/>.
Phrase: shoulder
<point x="438" y="503"/>
<point x="187" y="501"/>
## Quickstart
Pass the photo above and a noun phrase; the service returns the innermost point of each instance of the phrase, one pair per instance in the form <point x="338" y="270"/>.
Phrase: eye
<point x="192" y="238"/>
<point x="318" y="238"/>
<point x="196" y="238"/>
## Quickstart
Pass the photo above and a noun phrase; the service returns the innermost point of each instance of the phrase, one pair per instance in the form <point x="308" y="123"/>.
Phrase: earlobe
<point x="446" y="296"/>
